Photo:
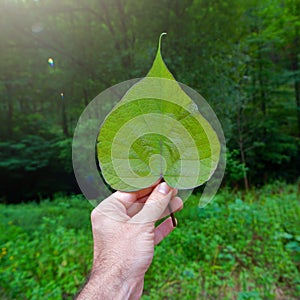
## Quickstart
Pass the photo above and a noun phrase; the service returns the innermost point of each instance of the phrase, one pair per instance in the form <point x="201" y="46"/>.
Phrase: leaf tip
<point x="159" y="68"/>
<point x="160" y="37"/>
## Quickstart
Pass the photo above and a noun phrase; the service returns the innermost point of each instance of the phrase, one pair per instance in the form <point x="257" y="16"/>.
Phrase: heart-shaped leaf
<point x="157" y="131"/>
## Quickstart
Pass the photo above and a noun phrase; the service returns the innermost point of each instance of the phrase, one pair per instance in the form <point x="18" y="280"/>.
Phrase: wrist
<point x="113" y="282"/>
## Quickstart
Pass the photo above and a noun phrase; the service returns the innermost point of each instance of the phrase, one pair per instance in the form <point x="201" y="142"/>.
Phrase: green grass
<point x="241" y="246"/>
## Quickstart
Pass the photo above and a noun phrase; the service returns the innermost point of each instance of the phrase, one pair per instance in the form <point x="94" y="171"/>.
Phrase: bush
<point x="241" y="246"/>
<point x="30" y="168"/>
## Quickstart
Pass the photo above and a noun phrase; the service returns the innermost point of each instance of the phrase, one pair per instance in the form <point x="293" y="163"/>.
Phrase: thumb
<point x="155" y="204"/>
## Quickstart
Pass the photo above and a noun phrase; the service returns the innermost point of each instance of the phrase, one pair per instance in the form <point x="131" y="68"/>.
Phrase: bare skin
<point x="124" y="236"/>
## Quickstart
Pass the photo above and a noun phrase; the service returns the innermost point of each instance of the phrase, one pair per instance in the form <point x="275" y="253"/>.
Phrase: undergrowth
<point x="240" y="246"/>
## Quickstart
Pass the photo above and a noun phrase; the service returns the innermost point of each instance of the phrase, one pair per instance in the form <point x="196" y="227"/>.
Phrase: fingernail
<point x="163" y="188"/>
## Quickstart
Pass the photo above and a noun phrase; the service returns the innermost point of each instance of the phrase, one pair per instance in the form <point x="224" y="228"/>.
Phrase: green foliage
<point x="241" y="246"/>
<point x="24" y="162"/>
<point x="237" y="247"/>
<point x="29" y="154"/>
<point x="235" y="170"/>
<point x="46" y="249"/>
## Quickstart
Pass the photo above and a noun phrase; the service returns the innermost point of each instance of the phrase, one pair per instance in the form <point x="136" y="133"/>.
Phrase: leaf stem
<point x="172" y="215"/>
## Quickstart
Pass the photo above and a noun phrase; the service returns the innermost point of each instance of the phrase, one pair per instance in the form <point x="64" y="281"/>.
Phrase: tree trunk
<point x="10" y="110"/>
<point x="64" y="118"/>
<point x="242" y="150"/>
<point x="297" y="94"/>
<point x="85" y="97"/>
<point x="261" y="85"/>
<point x="295" y="68"/>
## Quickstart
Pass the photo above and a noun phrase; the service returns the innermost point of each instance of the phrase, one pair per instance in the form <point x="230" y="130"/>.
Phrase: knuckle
<point x="94" y="215"/>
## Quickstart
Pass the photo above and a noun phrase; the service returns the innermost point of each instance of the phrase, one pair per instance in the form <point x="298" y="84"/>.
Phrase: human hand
<point x="124" y="237"/>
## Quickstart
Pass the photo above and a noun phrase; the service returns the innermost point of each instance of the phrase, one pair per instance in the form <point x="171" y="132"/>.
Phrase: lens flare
<point x="51" y="62"/>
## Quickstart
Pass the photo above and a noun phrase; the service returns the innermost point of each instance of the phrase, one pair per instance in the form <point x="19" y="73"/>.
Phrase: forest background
<point x="241" y="56"/>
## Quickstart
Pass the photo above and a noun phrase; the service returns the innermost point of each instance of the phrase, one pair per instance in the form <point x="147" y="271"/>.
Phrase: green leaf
<point x="157" y="131"/>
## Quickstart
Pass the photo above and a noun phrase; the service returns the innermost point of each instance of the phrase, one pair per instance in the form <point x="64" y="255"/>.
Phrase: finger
<point x="138" y="205"/>
<point x="175" y="204"/>
<point x="156" y="182"/>
<point x="162" y="230"/>
<point x="115" y="206"/>
<point x="111" y="208"/>
<point x="127" y="198"/>
<point x="155" y="204"/>
<point x="135" y="207"/>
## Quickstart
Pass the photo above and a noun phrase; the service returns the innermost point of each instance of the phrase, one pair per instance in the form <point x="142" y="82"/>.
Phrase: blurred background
<point x="241" y="56"/>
